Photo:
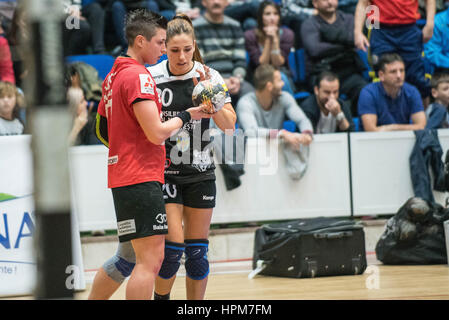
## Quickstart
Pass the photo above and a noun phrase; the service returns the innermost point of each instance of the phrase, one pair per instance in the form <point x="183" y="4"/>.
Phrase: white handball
<point x="209" y="93"/>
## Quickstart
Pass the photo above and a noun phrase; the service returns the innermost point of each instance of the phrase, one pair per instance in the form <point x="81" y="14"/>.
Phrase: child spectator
<point x="10" y="103"/>
<point x="78" y="107"/>
<point x="437" y="112"/>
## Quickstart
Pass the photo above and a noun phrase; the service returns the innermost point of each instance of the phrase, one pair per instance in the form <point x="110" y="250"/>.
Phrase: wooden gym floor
<point x="379" y="282"/>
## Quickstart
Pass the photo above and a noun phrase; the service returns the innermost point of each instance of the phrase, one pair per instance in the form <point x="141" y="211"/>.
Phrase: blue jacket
<point x="437" y="49"/>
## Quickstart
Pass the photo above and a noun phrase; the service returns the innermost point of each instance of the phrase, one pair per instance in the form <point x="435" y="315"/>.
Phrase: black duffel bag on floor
<point x="415" y="235"/>
<point x="308" y="248"/>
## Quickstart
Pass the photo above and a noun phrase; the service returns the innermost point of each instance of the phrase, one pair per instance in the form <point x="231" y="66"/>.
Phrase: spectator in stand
<point x="391" y="104"/>
<point x="10" y="103"/>
<point x="294" y="13"/>
<point x="119" y="10"/>
<point x="327" y="112"/>
<point x="6" y="65"/>
<point x="329" y="45"/>
<point x="347" y="6"/>
<point x="398" y="33"/>
<point x="437" y="112"/>
<point x="244" y="11"/>
<point x="262" y="113"/>
<point x="222" y="45"/>
<point x="17" y="36"/>
<point x="437" y="49"/>
<point x="90" y="15"/>
<point x="78" y="107"/>
<point x="269" y="43"/>
<point x="168" y="8"/>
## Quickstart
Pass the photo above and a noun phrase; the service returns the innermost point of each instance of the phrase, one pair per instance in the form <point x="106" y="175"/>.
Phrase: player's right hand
<point x="200" y="112"/>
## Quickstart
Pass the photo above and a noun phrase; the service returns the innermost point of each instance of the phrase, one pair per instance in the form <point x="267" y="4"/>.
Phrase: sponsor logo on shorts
<point x="161" y="218"/>
<point x="162" y="227"/>
<point x="210" y="198"/>
<point x="126" y="227"/>
<point x="112" y="160"/>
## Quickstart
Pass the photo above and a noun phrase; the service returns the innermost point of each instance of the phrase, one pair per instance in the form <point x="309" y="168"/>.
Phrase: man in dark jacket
<point x="328" y="40"/>
<point x="325" y="110"/>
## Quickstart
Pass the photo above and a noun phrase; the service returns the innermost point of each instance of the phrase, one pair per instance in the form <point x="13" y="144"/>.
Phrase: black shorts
<point x="199" y="195"/>
<point x="140" y="211"/>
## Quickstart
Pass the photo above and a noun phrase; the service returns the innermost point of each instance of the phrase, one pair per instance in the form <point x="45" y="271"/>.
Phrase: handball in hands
<point x="210" y="94"/>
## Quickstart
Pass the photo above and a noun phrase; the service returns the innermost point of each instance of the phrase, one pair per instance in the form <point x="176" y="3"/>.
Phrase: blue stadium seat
<point x="293" y="65"/>
<point x="301" y="65"/>
<point x="289" y="125"/>
<point x="421" y="23"/>
<point x="356" y="121"/>
<point x="103" y="63"/>
<point x="364" y="57"/>
<point x="296" y="61"/>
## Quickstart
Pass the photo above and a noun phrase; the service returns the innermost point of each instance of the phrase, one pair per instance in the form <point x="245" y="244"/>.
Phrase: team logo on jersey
<point x="201" y="160"/>
<point x="146" y="84"/>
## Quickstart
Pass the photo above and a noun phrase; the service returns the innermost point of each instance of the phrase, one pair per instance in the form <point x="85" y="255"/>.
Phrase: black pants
<point x="89" y="33"/>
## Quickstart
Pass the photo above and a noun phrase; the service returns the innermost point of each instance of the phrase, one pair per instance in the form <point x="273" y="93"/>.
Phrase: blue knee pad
<point x="197" y="265"/>
<point x="172" y="259"/>
<point x="120" y="266"/>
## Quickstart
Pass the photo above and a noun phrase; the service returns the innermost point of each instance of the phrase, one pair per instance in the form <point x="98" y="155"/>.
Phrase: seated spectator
<point x="437" y="49"/>
<point x="327" y="112"/>
<point x="244" y="11"/>
<point x="269" y="43"/>
<point x="262" y="113"/>
<point x="294" y="13"/>
<point x="329" y="45"/>
<point x="7" y="8"/>
<point x="18" y="35"/>
<point x="78" y="107"/>
<point x="222" y="45"/>
<point x="10" y="103"/>
<point x="6" y="66"/>
<point x="391" y="104"/>
<point x="168" y="8"/>
<point x="398" y="32"/>
<point x="90" y="32"/>
<point x="119" y="10"/>
<point x="437" y="112"/>
<point x="347" y="6"/>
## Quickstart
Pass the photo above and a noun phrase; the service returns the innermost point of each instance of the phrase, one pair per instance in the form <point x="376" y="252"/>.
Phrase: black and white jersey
<point x="189" y="153"/>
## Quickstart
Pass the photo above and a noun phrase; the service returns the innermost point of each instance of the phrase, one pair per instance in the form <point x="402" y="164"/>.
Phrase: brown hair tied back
<point x="181" y="24"/>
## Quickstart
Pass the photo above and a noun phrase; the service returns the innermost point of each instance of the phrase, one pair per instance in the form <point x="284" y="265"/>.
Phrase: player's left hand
<point x="203" y="75"/>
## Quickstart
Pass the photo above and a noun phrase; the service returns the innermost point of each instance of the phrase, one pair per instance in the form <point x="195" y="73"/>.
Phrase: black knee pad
<point x="197" y="264"/>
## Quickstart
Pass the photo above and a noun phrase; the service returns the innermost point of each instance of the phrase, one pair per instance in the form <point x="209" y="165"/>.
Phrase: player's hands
<point x="203" y="75"/>
<point x="200" y="112"/>
<point x="360" y="41"/>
